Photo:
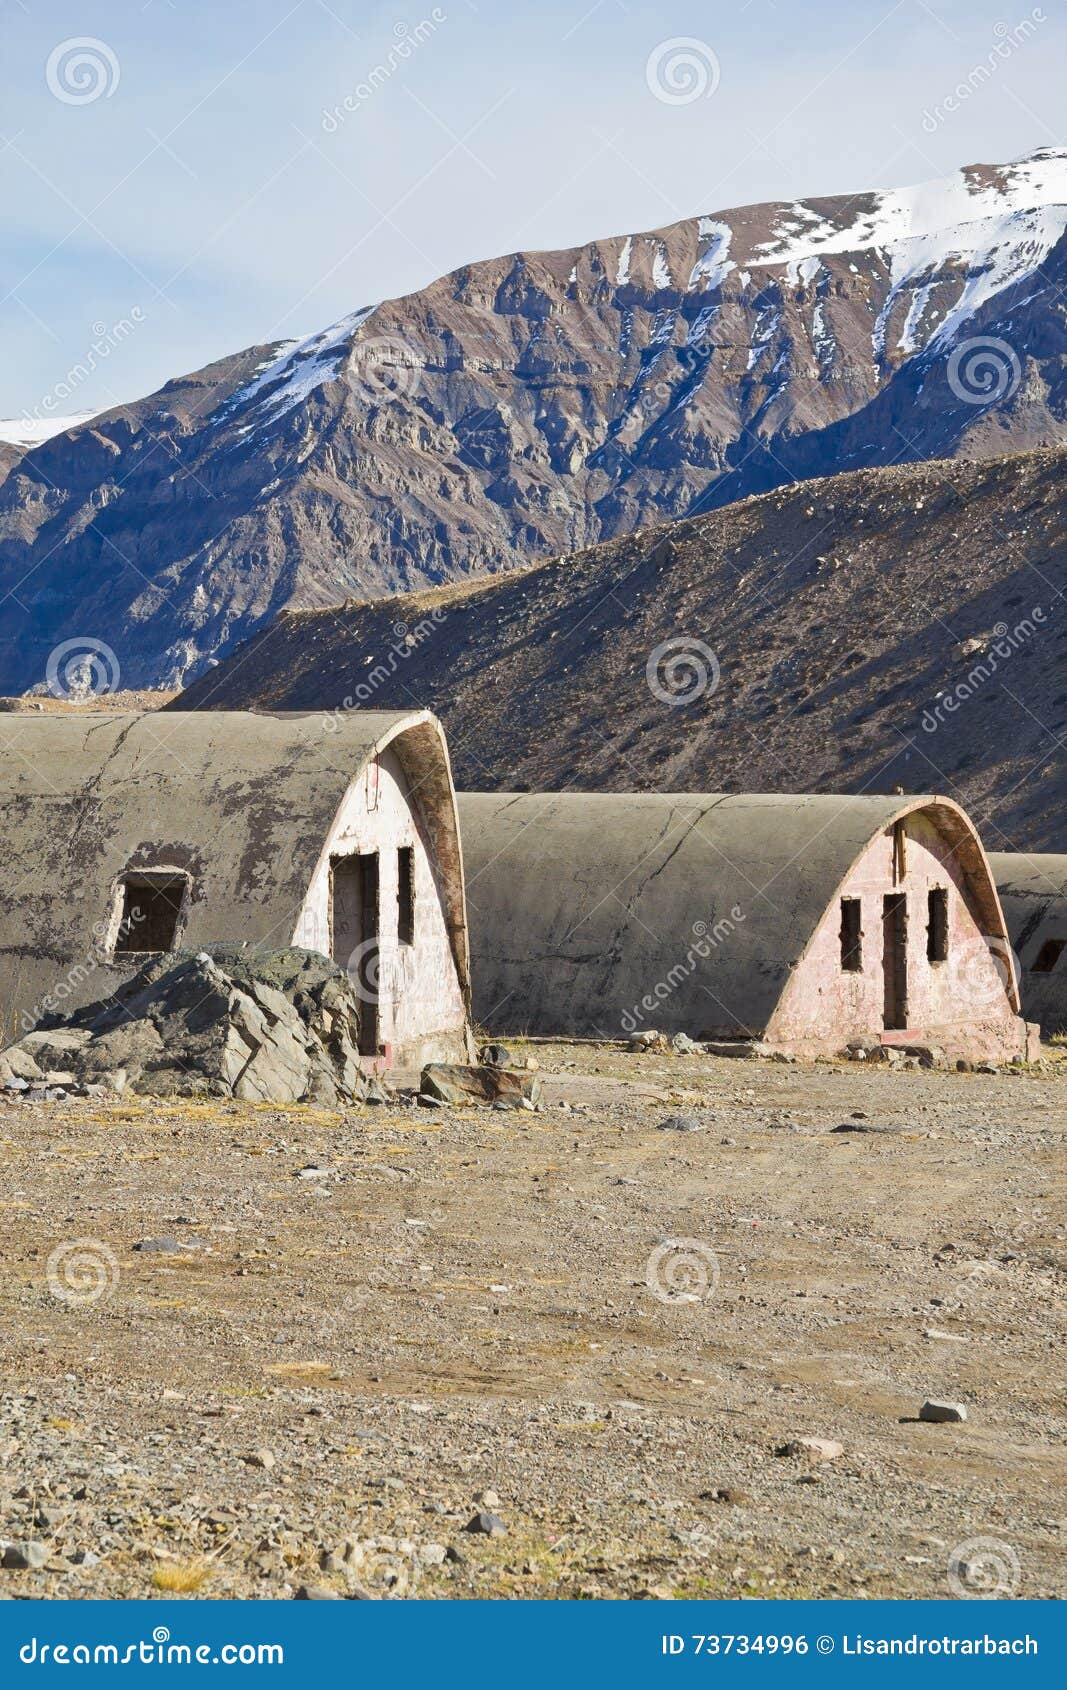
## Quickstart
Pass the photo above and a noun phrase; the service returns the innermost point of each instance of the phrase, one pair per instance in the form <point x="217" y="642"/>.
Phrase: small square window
<point x="152" y="906"/>
<point x="405" y="895"/>
<point x="851" y="936"/>
<point x="1048" y="956"/>
<point x="937" y="925"/>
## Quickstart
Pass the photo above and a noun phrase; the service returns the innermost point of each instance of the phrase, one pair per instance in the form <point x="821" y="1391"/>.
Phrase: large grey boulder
<point x="276" y="1026"/>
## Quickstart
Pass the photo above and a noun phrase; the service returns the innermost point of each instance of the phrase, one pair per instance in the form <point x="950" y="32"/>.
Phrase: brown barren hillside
<point x="892" y="625"/>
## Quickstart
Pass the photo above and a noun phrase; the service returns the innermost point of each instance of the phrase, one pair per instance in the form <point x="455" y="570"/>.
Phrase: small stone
<point x="726" y="1493"/>
<point x="261" y="1458"/>
<point x="25" y="1557"/>
<point x="313" y="1172"/>
<point x="495" y="1056"/>
<point x="863" y="1127"/>
<point x="681" y="1124"/>
<point x="944" y="1337"/>
<point x="814" y="1449"/>
<point x="160" y="1247"/>
<point x="487" y="1498"/>
<point x="486" y="1524"/>
<point x="316" y="1593"/>
<point x="942" y="1413"/>
<point x="456" y="1556"/>
<point x="433" y="1554"/>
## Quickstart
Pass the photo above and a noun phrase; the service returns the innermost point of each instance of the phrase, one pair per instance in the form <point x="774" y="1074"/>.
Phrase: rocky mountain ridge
<point x="891" y="626"/>
<point x="536" y="404"/>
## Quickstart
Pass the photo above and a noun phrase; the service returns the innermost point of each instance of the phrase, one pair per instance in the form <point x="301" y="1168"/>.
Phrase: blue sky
<point x="215" y="192"/>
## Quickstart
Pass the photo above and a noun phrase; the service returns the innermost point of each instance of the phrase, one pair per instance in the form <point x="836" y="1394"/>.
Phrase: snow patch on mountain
<point x="622" y="273"/>
<point x="714" y="264"/>
<point x="295" y="370"/>
<point x="34" y="431"/>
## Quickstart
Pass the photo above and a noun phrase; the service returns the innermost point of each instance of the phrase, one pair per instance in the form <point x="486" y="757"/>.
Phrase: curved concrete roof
<point x="243" y="801"/>
<point x="578" y="903"/>
<point x="1033" y="892"/>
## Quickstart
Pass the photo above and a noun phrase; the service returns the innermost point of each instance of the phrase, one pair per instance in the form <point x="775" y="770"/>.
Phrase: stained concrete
<point x="598" y="914"/>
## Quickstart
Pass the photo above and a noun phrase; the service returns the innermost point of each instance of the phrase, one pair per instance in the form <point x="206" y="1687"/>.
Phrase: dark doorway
<point x="355" y="927"/>
<point x="895" y="959"/>
<point x="151" y="909"/>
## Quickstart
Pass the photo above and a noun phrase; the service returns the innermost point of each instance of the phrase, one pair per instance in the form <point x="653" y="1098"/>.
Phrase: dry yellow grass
<point x="181" y="1578"/>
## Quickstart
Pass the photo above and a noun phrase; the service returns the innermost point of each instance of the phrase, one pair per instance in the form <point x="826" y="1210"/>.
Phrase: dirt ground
<point x="579" y="1321"/>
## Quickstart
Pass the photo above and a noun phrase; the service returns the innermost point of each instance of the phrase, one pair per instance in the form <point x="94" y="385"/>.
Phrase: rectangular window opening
<point x="151" y="910"/>
<point x="405" y="895"/>
<point x="851" y="936"/>
<point x="937" y="925"/>
<point x="1048" y="956"/>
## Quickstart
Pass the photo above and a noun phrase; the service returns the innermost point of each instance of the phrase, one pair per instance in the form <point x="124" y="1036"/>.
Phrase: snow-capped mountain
<point x="537" y="403"/>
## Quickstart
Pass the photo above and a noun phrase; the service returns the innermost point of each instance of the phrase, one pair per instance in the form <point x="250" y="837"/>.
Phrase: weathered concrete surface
<point x="246" y="805"/>
<point x="1033" y="892"/>
<point x="717" y="915"/>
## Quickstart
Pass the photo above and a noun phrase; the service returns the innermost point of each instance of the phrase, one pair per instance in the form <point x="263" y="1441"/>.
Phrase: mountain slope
<point x="884" y="626"/>
<point x="536" y="403"/>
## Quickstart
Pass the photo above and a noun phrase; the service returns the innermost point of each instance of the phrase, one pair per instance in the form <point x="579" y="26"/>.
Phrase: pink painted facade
<point x="411" y="983"/>
<point x="894" y="980"/>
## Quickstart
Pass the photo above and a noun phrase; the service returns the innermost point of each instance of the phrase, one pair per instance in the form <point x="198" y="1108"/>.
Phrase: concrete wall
<point x="960" y="1004"/>
<point x="1033" y="891"/>
<point x="419" y="996"/>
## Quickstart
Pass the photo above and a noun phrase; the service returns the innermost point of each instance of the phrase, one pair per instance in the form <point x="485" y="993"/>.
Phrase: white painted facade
<point x="419" y="996"/>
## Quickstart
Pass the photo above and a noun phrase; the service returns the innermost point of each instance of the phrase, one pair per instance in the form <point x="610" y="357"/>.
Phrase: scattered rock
<point x="454" y="1082"/>
<point x="486" y="1524"/>
<point x="25" y="1557"/>
<point x="264" y="1458"/>
<point x="495" y="1056"/>
<point x="316" y="1593"/>
<point x="262" y="1026"/>
<point x="942" y="1412"/>
<point x="812" y="1449"/>
<point x="681" y="1124"/>
<point x="160" y="1247"/>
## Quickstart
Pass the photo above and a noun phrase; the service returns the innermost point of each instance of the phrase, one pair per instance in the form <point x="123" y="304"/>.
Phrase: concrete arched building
<point x="125" y="835"/>
<point x="1033" y="892"/>
<point x="805" y="922"/>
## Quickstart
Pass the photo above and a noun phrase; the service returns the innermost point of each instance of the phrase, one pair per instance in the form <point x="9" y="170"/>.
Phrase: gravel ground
<point x="325" y="1375"/>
